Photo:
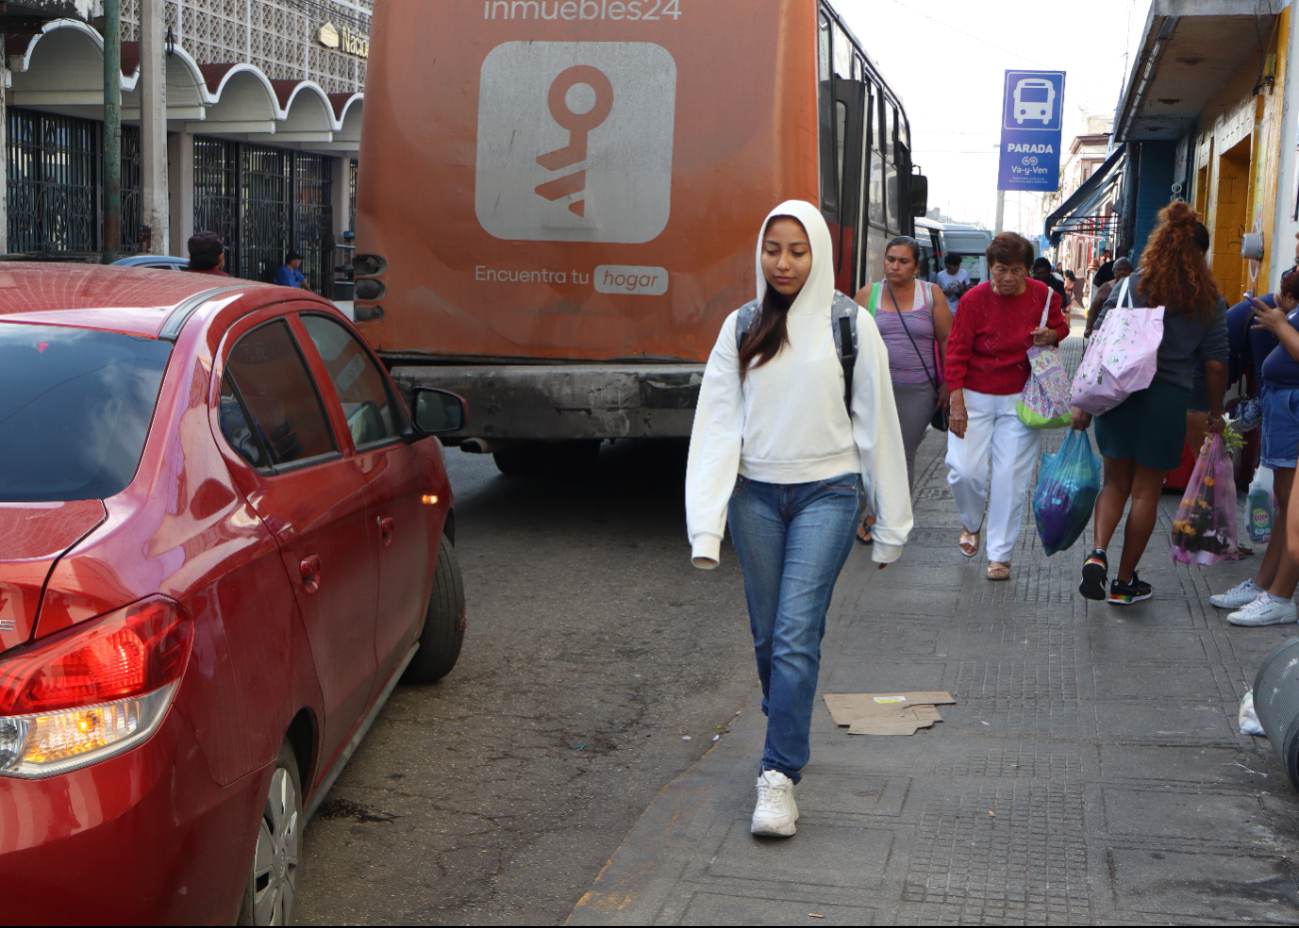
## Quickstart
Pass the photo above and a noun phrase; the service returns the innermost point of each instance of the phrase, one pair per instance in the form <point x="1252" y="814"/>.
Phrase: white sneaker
<point x="1242" y="594"/>
<point x="775" y="814"/>
<point x="1264" y="611"/>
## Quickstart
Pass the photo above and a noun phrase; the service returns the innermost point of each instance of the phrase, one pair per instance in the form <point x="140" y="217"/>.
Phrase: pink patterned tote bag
<point x="1120" y="360"/>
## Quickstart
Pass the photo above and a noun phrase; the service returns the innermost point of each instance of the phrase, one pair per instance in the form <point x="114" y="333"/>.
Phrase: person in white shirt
<point x="782" y="449"/>
<point x="953" y="280"/>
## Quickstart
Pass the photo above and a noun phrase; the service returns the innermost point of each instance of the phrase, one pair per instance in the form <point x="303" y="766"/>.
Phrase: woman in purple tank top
<point x="914" y="320"/>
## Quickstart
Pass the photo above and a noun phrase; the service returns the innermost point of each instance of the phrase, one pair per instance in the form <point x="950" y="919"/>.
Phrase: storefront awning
<point x="1188" y="51"/>
<point x="60" y="69"/>
<point x="1084" y="200"/>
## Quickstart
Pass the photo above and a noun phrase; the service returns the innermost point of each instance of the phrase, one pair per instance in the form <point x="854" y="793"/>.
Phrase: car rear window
<point x="75" y="407"/>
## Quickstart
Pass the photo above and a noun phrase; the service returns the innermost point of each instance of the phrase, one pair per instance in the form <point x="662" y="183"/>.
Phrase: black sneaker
<point x="1094" y="570"/>
<point x="1125" y="594"/>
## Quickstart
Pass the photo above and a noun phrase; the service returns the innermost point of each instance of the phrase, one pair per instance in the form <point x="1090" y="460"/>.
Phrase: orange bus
<point x="558" y="200"/>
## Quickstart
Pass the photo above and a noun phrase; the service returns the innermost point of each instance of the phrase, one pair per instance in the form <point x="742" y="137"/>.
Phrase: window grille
<point x="55" y="168"/>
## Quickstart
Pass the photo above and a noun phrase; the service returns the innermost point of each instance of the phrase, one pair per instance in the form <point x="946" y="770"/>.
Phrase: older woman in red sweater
<point x="987" y="368"/>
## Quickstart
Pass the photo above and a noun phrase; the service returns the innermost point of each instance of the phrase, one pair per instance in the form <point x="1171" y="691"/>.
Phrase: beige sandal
<point x="998" y="570"/>
<point x="968" y="543"/>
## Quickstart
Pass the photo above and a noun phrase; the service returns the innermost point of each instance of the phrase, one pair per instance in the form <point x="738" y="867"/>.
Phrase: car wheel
<point x="273" y="883"/>
<point x="444" y="623"/>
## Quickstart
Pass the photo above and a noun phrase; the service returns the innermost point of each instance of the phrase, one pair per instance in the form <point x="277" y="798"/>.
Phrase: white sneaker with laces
<point x="1242" y="594"/>
<point x="775" y="814"/>
<point x="1264" y="611"/>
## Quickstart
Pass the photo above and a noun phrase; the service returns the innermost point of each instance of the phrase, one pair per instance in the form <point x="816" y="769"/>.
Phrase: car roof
<point x="135" y="301"/>
<point x="149" y="260"/>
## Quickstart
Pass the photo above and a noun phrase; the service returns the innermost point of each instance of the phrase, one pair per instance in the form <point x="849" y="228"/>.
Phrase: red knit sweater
<point x="988" y="349"/>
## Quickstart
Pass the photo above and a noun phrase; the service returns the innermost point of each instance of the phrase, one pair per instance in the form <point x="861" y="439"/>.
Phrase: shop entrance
<point x="264" y="202"/>
<point x="1230" y="211"/>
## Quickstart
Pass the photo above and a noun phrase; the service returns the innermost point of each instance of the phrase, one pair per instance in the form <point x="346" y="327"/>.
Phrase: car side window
<point x="270" y="377"/>
<point x="367" y="403"/>
<point x="238" y="429"/>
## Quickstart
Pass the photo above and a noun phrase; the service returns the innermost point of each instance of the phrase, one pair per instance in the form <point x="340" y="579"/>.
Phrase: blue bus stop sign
<point x="1031" y="116"/>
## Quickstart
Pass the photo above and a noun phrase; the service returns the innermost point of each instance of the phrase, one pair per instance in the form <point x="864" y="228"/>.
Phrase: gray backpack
<point x="843" y="325"/>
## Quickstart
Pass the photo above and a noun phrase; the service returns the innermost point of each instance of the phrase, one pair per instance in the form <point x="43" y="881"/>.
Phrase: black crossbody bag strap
<point x="902" y="317"/>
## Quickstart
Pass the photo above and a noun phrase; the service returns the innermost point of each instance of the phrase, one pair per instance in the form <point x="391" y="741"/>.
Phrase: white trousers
<point x="994" y="430"/>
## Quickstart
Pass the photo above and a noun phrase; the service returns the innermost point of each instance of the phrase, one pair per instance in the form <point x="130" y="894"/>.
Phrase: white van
<point x="933" y="248"/>
<point x="970" y="242"/>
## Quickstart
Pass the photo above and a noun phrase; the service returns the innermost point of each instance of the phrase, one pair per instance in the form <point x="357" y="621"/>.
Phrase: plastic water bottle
<point x="1260" y="507"/>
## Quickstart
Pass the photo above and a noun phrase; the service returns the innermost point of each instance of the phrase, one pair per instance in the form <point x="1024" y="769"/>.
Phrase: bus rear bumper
<point x="559" y="402"/>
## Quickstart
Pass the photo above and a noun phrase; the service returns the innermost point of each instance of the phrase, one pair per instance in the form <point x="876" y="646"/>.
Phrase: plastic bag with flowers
<point x="1204" y="531"/>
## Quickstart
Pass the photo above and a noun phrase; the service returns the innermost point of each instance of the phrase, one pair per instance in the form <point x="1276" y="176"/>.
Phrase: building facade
<point x="1081" y="237"/>
<point x="1205" y="115"/>
<point x="257" y="129"/>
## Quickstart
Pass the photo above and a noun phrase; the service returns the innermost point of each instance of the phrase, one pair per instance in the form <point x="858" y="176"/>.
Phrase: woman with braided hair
<point x="1141" y="439"/>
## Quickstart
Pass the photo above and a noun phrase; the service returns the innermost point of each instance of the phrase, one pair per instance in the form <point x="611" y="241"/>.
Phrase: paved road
<point x="593" y="648"/>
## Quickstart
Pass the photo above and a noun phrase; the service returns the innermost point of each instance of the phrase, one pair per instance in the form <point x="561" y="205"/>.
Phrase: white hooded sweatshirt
<point x="787" y="423"/>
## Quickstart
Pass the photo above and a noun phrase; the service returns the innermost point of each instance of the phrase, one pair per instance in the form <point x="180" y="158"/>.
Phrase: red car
<point x="222" y="543"/>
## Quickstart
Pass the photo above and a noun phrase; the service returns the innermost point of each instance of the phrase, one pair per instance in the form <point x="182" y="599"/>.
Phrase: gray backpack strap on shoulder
<point x="844" y="327"/>
<point x="748" y="315"/>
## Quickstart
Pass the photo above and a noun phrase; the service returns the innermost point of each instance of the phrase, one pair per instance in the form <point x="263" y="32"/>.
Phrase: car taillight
<point x="93" y="691"/>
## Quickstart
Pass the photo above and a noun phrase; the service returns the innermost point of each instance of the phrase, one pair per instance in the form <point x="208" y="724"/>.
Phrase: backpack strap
<point x="844" y="328"/>
<point x="748" y="315"/>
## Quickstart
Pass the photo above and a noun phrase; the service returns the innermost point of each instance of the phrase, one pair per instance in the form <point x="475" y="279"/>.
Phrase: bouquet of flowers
<point x="1204" y="531"/>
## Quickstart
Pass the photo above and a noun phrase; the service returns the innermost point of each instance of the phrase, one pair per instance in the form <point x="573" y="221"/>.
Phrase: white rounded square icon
<point x="575" y="141"/>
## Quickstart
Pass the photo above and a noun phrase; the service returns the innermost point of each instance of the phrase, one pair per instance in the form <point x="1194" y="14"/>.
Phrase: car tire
<point x="444" y="622"/>
<point x="526" y="460"/>
<point x="272" y="886"/>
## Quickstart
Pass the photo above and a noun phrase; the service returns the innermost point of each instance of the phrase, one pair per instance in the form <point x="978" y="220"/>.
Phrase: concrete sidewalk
<point x="1091" y="770"/>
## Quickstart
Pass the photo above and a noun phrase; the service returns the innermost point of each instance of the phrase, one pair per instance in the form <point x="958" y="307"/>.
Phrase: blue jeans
<point x="792" y="542"/>
<point x="1280" y="426"/>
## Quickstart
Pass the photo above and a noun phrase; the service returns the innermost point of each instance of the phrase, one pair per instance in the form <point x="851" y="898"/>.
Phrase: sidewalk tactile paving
<point x="1026" y="863"/>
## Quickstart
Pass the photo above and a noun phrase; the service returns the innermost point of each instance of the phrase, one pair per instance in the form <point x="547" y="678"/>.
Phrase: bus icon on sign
<point x="1034" y="99"/>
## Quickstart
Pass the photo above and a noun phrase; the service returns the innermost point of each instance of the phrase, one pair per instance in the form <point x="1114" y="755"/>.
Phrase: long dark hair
<point x="771" y="331"/>
<point x="769" y="334"/>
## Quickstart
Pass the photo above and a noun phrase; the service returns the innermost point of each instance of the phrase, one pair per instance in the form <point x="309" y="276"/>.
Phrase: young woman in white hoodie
<point x="776" y="452"/>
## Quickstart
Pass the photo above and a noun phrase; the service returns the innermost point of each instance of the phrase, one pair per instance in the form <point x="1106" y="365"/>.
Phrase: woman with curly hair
<point x="1141" y="439"/>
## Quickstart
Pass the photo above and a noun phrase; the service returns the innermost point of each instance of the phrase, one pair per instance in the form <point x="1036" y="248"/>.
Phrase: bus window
<point x="823" y="64"/>
<point x="874" y="269"/>
<point x="885" y="143"/>
<point x="829" y="155"/>
<point x="842" y="54"/>
<point x="840" y="133"/>
<point x="877" y="189"/>
<point x="891" y="192"/>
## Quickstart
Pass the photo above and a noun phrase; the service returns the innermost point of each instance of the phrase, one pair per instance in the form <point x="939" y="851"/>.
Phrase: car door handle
<point x="385" y="528"/>
<point x="310" y="568"/>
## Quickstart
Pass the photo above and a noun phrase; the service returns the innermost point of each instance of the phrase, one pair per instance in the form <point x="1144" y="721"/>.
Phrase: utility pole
<point x="153" y="127"/>
<point x="112" y="129"/>
<point x="1001" y="211"/>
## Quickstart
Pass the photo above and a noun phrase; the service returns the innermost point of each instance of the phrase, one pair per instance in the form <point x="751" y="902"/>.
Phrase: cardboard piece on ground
<point x="902" y="721"/>
<point x="846" y="708"/>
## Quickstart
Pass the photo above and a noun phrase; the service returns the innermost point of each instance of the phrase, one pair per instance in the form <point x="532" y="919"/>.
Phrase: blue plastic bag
<point x="1067" y="485"/>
